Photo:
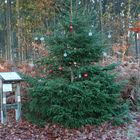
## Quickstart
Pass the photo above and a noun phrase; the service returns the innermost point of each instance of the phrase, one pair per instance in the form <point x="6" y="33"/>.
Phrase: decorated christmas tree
<point x="75" y="90"/>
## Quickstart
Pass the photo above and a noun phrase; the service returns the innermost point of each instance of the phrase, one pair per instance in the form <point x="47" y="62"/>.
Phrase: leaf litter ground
<point x="23" y="130"/>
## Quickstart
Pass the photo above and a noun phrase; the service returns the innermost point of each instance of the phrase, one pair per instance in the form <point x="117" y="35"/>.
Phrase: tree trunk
<point x="9" y="34"/>
<point x="18" y="31"/>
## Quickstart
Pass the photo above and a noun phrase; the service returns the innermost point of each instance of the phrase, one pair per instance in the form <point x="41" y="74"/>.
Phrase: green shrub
<point x="91" y="100"/>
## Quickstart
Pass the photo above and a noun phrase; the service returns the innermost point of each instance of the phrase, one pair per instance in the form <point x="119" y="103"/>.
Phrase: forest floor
<point x="24" y="130"/>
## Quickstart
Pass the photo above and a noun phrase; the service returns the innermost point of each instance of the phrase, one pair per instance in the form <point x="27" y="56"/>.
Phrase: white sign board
<point x="7" y="87"/>
<point x="10" y="76"/>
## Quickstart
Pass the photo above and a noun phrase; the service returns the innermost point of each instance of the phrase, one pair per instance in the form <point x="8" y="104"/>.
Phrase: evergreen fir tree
<point x="74" y="91"/>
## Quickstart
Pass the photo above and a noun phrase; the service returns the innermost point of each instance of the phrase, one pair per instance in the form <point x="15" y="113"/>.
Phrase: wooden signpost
<point x="10" y="82"/>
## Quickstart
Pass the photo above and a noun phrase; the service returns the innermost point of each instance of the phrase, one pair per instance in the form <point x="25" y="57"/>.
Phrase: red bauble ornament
<point x="85" y="75"/>
<point x="60" y="68"/>
<point x="51" y="68"/>
<point x="71" y="28"/>
<point x="51" y="71"/>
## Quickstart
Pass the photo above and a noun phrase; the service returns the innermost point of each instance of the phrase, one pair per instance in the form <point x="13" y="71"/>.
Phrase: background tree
<point x="37" y="18"/>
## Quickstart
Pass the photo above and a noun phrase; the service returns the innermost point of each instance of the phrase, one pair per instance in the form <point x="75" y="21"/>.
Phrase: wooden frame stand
<point x="10" y="82"/>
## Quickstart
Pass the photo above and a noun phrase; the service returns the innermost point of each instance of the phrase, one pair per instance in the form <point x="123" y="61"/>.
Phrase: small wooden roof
<point x="10" y="77"/>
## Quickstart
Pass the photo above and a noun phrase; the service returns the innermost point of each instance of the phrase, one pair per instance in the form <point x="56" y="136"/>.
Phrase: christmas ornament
<point x="90" y="33"/>
<point x="85" y="75"/>
<point x="109" y="35"/>
<point x="80" y="75"/>
<point x="65" y="54"/>
<point x="36" y="38"/>
<point x="75" y="63"/>
<point x="79" y="2"/>
<point x="42" y="39"/>
<point x="60" y="68"/>
<point x="51" y="70"/>
<point x="104" y="54"/>
<point x="93" y="1"/>
<point x="71" y="28"/>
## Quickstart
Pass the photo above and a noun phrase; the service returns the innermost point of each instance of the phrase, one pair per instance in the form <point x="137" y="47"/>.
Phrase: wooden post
<point x="18" y="101"/>
<point x="136" y="44"/>
<point x="1" y="97"/>
<point x="3" y="104"/>
<point x="4" y="108"/>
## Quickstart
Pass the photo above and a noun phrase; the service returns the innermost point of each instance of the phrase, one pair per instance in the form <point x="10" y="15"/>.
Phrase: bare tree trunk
<point x="101" y="20"/>
<point x="128" y="17"/>
<point x="18" y="30"/>
<point x="9" y="34"/>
